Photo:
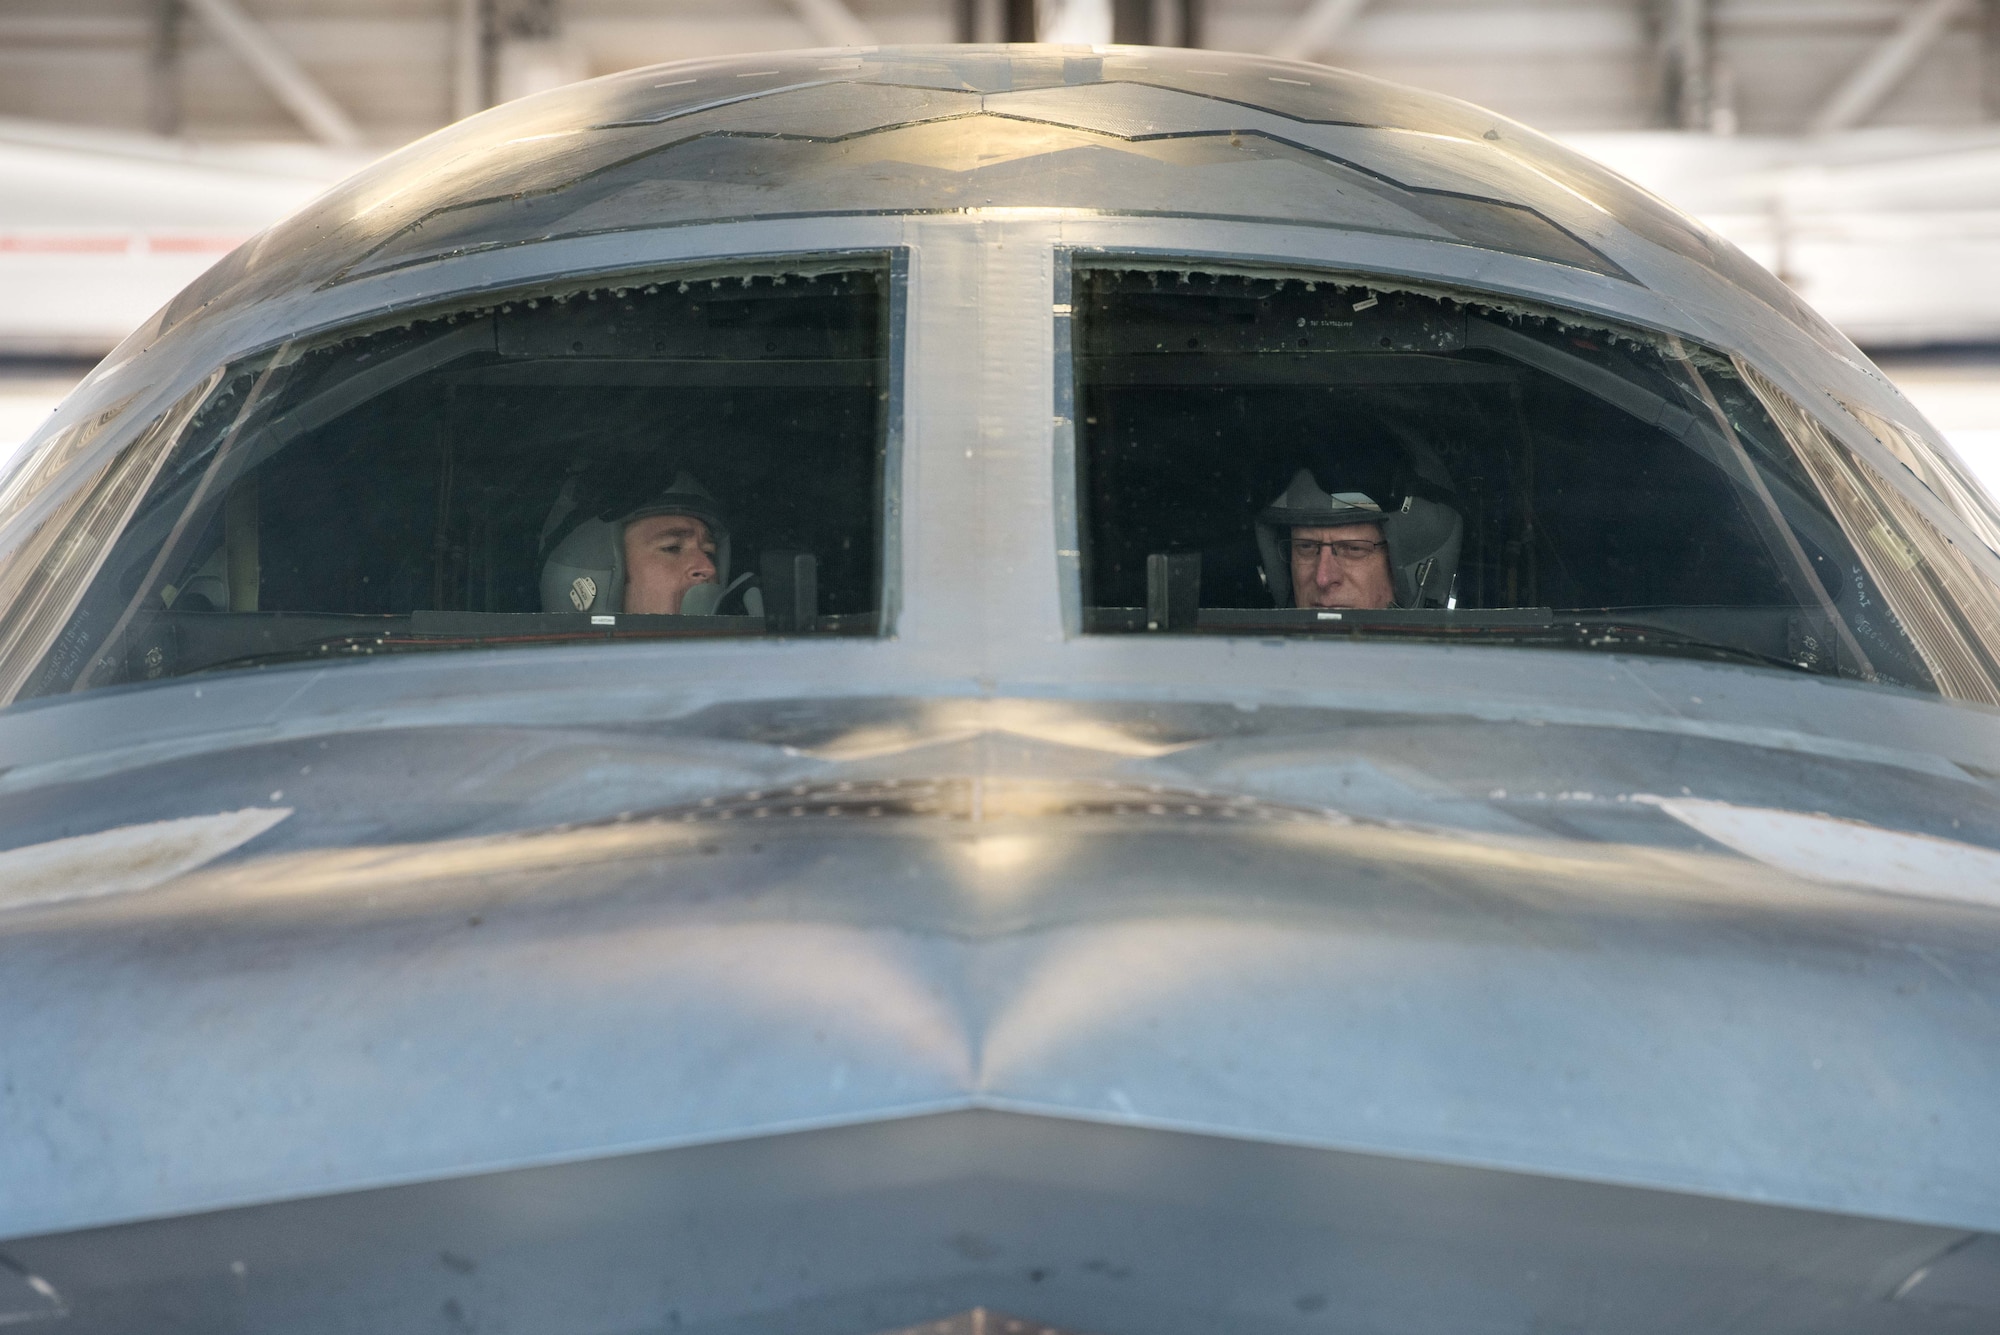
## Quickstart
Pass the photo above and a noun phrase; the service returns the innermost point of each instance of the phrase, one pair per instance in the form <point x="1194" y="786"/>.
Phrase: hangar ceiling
<point x="1851" y="146"/>
<point x="379" y="72"/>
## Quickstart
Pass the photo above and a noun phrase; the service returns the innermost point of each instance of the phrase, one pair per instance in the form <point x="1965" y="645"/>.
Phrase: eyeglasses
<point x="1352" y="551"/>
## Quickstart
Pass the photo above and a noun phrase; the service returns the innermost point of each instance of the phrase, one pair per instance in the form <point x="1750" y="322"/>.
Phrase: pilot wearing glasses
<point x="1344" y="550"/>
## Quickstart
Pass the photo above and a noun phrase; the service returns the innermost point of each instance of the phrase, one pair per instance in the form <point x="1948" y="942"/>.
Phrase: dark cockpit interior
<point x="1609" y="488"/>
<point x="1481" y="469"/>
<point x="407" y="487"/>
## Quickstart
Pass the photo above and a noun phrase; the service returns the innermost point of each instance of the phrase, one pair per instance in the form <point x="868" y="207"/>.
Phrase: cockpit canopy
<point x="1281" y="441"/>
<point x="1560" y="482"/>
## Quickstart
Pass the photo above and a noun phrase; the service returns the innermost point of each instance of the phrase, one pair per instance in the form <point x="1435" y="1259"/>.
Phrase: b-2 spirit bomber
<point x="996" y="689"/>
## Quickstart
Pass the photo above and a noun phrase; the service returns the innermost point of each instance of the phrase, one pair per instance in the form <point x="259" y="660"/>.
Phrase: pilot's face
<point x="665" y="556"/>
<point x="1345" y="566"/>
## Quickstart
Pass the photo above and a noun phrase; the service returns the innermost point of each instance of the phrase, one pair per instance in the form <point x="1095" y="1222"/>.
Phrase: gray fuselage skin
<point x="1130" y="984"/>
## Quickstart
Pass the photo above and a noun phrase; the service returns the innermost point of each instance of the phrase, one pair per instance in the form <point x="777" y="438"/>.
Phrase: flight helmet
<point x="1423" y="530"/>
<point x="586" y="570"/>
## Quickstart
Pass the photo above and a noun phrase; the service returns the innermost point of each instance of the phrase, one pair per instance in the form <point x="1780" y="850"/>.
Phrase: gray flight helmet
<point x="586" y="571"/>
<point x="1422" y="534"/>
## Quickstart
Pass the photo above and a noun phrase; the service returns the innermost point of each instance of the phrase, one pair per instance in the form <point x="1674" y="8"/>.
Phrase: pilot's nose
<point x="704" y="570"/>
<point x="1328" y="571"/>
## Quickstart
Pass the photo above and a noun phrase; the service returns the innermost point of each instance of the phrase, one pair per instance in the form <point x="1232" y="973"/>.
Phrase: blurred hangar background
<point x="1853" y="146"/>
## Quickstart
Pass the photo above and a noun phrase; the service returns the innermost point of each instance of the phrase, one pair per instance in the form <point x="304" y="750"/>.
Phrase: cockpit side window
<point x="683" y="454"/>
<point x="1326" y="455"/>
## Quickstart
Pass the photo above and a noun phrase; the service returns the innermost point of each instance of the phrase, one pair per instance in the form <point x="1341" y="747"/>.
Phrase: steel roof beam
<point x="1886" y="66"/>
<point x="833" y="23"/>
<point x="1318" y="29"/>
<point x="278" y="72"/>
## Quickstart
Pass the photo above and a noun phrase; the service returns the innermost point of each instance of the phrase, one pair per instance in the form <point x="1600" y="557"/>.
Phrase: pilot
<point x="1342" y="549"/>
<point x="669" y="555"/>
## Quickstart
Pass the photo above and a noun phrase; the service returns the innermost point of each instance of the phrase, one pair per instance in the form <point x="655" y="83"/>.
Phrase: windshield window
<point x="1333" y="456"/>
<point x="687" y="454"/>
